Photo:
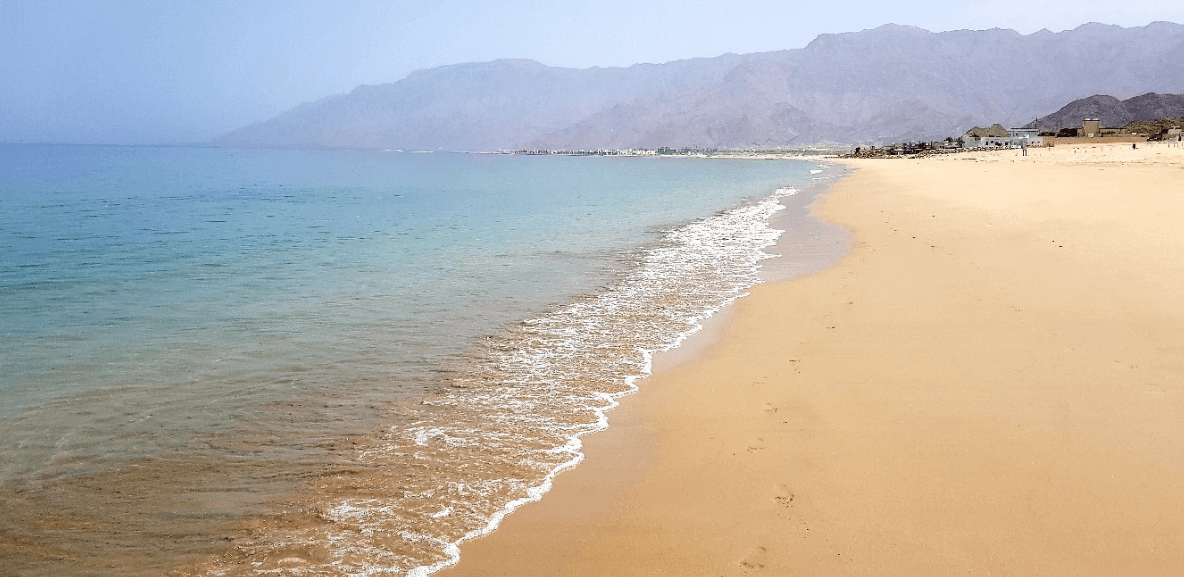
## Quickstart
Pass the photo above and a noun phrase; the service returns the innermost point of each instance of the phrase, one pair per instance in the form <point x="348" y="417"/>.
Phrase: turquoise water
<point x="153" y="299"/>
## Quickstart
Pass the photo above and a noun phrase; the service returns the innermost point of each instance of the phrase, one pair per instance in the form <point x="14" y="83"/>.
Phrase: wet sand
<point x="990" y="382"/>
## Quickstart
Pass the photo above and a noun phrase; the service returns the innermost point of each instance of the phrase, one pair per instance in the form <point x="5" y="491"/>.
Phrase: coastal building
<point x="984" y="137"/>
<point x="1091" y="127"/>
<point x="1168" y="132"/>
<point x="1025" y="137"/>
<point x="995" y="136"/>
<point x="1092" y="131"/>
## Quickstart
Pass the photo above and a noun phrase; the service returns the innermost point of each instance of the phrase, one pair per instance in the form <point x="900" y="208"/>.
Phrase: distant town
<point x="995" y="136"/>
<point x="777" y="151"/>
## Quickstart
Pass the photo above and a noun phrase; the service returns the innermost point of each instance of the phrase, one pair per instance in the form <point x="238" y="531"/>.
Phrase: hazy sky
<point x="139" y="72"/>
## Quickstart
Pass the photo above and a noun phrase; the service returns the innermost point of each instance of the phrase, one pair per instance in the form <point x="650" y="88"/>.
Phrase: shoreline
<point x="370" y="495"/>
<point x="809" y="245"/>
<point x="983" y="384"/>
<point x="828" y="242"/>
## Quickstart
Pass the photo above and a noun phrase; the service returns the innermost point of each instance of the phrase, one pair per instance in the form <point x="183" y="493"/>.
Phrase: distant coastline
<point x="665" y="152"/>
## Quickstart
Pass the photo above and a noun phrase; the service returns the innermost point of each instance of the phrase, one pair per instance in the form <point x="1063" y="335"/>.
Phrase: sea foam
<point x="515" y="420"/>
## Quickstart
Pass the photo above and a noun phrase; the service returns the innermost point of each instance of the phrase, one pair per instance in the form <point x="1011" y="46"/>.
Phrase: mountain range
<point x="1113" y="112"/>
<point x="892" y="83"/>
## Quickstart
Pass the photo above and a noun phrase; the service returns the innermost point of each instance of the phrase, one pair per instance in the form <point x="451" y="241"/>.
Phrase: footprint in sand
<point x="756" y="445"/>
<point x="771" y="409"/>
<point x="755" y="560"/>
<point x="782" y="495"/>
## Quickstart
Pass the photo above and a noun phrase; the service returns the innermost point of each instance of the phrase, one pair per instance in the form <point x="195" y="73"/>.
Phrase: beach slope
<point x="991" y="382"/>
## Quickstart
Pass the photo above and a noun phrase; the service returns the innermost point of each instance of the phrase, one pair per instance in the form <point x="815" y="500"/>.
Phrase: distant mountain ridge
<point x="1113" y="112"/>
<point x="892" y="83"/>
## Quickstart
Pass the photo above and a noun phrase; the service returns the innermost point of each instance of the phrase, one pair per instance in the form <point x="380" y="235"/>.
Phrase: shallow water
<point x="247" y="361"/>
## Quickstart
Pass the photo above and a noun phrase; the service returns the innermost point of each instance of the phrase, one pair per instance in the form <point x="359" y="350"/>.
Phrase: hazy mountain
<point x="1113" y="112"/>
<point x="892" y="83"/>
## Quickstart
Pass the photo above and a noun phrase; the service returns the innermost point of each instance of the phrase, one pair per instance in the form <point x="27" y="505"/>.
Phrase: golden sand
<point x="990" y="383"/>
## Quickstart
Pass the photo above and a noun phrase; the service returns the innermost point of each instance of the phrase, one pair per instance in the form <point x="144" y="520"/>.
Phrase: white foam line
<point x="573" y="446"/>
<point x="574" y="443"/>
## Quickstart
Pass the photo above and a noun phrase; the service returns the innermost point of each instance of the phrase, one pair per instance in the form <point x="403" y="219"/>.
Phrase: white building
<point x="1025" y="137"/>
<point x="996" y="136"/>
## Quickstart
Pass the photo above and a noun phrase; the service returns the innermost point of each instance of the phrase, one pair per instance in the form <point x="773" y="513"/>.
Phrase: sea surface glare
<point x="240" y="362"/>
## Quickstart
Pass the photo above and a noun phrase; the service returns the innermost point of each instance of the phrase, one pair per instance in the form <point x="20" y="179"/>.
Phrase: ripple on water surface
<point x="511" y="419"/>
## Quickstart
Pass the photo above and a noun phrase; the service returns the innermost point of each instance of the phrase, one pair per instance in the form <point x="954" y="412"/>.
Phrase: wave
<point x="501" y="429"/>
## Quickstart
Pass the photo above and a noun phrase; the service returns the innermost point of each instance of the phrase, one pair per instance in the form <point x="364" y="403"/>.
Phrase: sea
<point x="221" y="361"/>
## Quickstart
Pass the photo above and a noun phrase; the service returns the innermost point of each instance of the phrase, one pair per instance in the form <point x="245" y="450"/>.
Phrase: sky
<point x="187" y="71"/>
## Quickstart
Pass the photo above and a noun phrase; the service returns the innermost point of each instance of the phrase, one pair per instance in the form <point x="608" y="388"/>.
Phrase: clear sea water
<point x="253" y="361"/>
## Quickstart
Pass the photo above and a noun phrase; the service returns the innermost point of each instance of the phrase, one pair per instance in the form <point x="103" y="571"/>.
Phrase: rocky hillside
<point x="1113" y="112"/>
<point x="892" y="83"/>
<point x="1155" y="126"/>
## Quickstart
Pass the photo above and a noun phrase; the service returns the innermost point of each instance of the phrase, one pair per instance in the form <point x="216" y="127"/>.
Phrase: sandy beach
<point x="990" y="382"/>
